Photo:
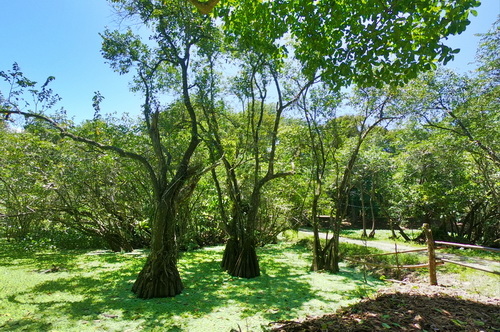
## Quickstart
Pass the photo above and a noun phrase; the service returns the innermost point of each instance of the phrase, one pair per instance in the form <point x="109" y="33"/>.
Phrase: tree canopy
<point x="204" y="166"/>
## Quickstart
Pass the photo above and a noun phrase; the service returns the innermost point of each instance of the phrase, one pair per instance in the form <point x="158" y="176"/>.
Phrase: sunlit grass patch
<point x="90" y="291"/>
<point x="478" y="253"/>
<point x="384" y="235"/>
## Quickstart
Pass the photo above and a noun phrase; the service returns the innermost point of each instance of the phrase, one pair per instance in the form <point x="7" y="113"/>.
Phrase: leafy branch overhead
<point x="205" y="7"/>
<point x="361" y="42"/>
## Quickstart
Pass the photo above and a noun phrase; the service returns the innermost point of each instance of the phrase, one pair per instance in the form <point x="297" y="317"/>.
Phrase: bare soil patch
<point x="409" y="306"/>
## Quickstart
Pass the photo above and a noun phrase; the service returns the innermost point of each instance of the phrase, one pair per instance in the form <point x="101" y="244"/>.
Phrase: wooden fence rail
<point x="470" y="246"/>
<point x="416" y="266"/>
<point x="470" y="266"/>
<point x="431" y="253"/>
<point x="391" y="253"/>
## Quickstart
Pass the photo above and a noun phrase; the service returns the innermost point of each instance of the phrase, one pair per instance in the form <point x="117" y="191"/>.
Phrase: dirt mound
<point x="409" y="307"/>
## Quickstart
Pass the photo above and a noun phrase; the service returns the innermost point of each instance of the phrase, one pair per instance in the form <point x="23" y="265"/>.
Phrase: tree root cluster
<point x="158" y="278"/>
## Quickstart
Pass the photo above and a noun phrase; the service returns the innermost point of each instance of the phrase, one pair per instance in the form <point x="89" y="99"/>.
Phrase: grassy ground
<point x="90" y="290"/>
<point x="385" y="235"/>
<point x="64" y="290"/>
<point x="448" y="275"/>
<point x="380" y="234"/>
<point x="494" y="256"/>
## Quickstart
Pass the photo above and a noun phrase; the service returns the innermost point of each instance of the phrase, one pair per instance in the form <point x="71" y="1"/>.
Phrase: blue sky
<point x="60" y="38"/>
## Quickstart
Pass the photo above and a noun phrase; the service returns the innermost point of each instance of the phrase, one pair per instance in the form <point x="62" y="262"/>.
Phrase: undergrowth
<point x="47" y="239"/>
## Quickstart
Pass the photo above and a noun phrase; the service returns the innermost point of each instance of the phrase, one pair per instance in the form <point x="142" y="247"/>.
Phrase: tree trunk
<point x="372" y="211"/>
<point x="402" y="232"/>
<point x="233" y="229"/>
<point x="247" y="264"/>
<point x="331" y="256"/>
<point x="159" y="277"/>
<point x="327" y="259"/>
<point x="332" y="264"/>
<point x="231" y="254"/>
<point x="391" y="226"/>
<point x="240" y="258"/>
<point x="364" y="235"/>
<point x="117" y="242"/>
<point x="318" y="259"/>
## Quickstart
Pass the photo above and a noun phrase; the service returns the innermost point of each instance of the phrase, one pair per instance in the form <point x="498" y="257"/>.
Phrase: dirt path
<point x="479" y="263"/>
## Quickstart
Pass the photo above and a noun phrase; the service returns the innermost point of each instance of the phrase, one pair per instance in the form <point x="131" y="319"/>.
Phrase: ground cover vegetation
<point x="47" y="289"/>
<point x="245" y="135"/>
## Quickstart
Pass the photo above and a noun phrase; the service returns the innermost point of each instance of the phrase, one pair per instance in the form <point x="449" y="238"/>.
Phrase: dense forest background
<point x="254" y="143"/>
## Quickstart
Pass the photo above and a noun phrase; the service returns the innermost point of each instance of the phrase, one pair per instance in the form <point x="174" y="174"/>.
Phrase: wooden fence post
<point x="432" y="255"/>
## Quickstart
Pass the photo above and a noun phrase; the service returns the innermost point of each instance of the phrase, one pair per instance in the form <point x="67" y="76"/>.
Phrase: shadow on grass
<point x="101" y="291"/>
<point x="15" y="254"/>
<point x="26" y="324"/>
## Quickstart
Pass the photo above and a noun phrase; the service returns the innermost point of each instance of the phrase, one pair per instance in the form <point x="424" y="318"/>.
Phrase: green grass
<point x="91" y="291"/>
<point x="491" y="255"/>
<point x="469" y="280"/>
<point x="349" y="250"/>
<point x="381" y="235"/>
<point x="384" y="235"/>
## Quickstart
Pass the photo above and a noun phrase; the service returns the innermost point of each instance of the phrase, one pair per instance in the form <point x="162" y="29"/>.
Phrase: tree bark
<point x="117" y="243"/>
<point x="364" y="235"/>
<point x="231" y="254"/>
<point x="402" y="232"/>
<point x="331" y="256"/>
<point x="159" y="277"/>
<point x="240" y="257"/>
<point x="318" y="258"/>
<point x="332" y="264"/>
<point x="247" y="263"/>
<point x="372" y="211"/>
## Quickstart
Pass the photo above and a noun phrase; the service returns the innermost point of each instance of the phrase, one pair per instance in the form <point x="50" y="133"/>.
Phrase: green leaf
<point x="458" y="322"/>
